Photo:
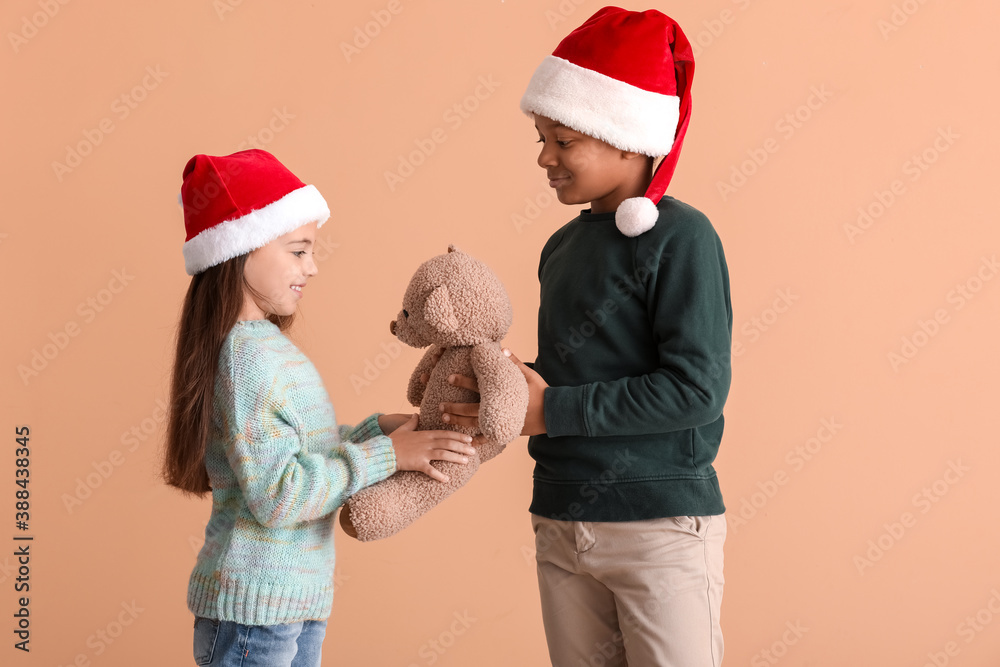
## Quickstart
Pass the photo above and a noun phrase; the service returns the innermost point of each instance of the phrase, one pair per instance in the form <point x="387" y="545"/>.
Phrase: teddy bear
<point x="453" y="303"/>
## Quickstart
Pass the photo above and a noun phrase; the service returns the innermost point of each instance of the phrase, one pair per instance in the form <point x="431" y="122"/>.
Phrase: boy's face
<point x="584" y="169"/>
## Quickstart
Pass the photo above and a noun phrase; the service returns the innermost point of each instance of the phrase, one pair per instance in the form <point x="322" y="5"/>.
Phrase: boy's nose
<point x="546" y="157"/>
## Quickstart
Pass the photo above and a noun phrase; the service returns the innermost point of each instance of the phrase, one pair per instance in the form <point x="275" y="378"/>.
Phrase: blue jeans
<point x="228" y="644"/>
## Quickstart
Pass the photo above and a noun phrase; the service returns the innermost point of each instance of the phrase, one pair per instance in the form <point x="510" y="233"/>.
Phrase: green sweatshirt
<point x="634" y="338"/>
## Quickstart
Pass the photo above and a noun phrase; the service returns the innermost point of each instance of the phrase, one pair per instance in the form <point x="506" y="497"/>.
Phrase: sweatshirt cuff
<point x="564" y="414"/>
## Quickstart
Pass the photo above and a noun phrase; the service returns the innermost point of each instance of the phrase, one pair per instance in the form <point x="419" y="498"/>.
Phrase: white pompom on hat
<point x="625" y="78"/>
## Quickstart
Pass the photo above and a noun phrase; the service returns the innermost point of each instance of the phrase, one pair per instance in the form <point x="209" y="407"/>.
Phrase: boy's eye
<point x="299" y="253"/>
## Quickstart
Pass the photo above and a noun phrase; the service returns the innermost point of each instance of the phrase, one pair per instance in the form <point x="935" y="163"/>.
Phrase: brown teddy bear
<point x="456" y="303"/>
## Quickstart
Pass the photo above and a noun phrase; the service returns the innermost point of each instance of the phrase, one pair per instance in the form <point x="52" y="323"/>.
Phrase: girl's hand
<point x="467" y="414"/>
<point x="416" y="449"/>
<point x="389" y="423"/>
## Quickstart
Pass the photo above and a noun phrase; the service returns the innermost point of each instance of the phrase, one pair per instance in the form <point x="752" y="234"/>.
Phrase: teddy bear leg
<point x="382" y="510"/>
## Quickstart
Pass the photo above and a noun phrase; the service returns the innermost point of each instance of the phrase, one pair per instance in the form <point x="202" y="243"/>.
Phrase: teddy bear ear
<point x="438" y="310"/>
<point x="453" y="248"/>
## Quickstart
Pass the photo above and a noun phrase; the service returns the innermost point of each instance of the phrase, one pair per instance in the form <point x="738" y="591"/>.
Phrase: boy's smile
<point x="584" y="169"/>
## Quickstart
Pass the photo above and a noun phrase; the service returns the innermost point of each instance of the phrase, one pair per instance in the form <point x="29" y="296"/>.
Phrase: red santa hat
<point x="236" y="203"/>
<point x="625" y="78"/>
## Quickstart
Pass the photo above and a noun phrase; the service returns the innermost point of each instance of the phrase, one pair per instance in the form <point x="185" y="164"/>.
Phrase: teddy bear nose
<point x="392" y="327"/>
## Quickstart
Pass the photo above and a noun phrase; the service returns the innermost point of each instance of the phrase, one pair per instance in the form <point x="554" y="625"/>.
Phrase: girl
<point x="251" y="422"/>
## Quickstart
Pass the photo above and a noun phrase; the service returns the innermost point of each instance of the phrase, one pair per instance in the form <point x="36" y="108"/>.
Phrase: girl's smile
<point x="270" y="268"/>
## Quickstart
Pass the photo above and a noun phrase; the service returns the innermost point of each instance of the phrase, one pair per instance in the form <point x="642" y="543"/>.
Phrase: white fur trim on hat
<point x="613" y="111"/>
<point x="255" y="229"/>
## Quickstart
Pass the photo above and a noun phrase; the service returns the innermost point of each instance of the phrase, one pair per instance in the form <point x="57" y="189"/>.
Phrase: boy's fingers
<point x="510" y="355"/>
<point x="464" y="381"/>
<point x="462" y="409"/>
<point x="458" y="420"/>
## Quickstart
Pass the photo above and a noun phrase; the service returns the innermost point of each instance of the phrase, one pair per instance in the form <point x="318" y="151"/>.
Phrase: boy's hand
<point x="467" y="414"/>
<point x="416" y="449"/>
<point x="425" y="378"/>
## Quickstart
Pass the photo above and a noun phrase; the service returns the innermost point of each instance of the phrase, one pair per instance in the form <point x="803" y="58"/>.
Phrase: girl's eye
<point x="299" y="253"/>
<point x="563" y="144"/>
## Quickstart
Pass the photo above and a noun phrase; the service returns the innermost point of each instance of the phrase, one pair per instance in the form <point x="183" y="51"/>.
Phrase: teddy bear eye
<point x="405" y="314"/>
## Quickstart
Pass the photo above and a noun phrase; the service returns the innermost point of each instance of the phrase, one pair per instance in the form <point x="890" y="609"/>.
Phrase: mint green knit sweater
<point x="279" y="466"/>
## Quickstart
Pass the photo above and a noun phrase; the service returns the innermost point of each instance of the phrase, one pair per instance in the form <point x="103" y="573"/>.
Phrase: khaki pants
<point x="636" y="593"/>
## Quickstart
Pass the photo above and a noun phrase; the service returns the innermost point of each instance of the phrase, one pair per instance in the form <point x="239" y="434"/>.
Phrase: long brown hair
<point x="211" y="308"/>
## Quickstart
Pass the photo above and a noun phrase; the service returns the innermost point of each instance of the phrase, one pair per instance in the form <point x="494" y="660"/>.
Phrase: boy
<point x="633" y="366"/>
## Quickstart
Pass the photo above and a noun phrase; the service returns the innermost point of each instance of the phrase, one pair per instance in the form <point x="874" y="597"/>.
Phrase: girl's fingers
<point x="448" y="455"/>
<point x="448" y="435"/>
<point x="454" y="446"/>
<point x="434" y="473"/>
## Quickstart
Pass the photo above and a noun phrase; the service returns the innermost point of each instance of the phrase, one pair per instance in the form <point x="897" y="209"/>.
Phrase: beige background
<point x="841" y="546"/>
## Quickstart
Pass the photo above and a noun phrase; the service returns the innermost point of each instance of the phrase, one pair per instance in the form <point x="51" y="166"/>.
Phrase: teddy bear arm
<point x="415" y="388"/>
<point x="503" y="395"/>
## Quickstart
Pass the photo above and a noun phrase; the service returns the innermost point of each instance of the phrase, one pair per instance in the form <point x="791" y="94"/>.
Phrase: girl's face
<point x="279" y="271"/>
<point x="584" y="169"/>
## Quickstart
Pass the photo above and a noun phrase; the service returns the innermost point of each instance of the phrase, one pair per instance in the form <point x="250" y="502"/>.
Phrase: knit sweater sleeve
<point x="687" y="301"/>
<point x="288" y="474"/>
<point x="365" y="430"/>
